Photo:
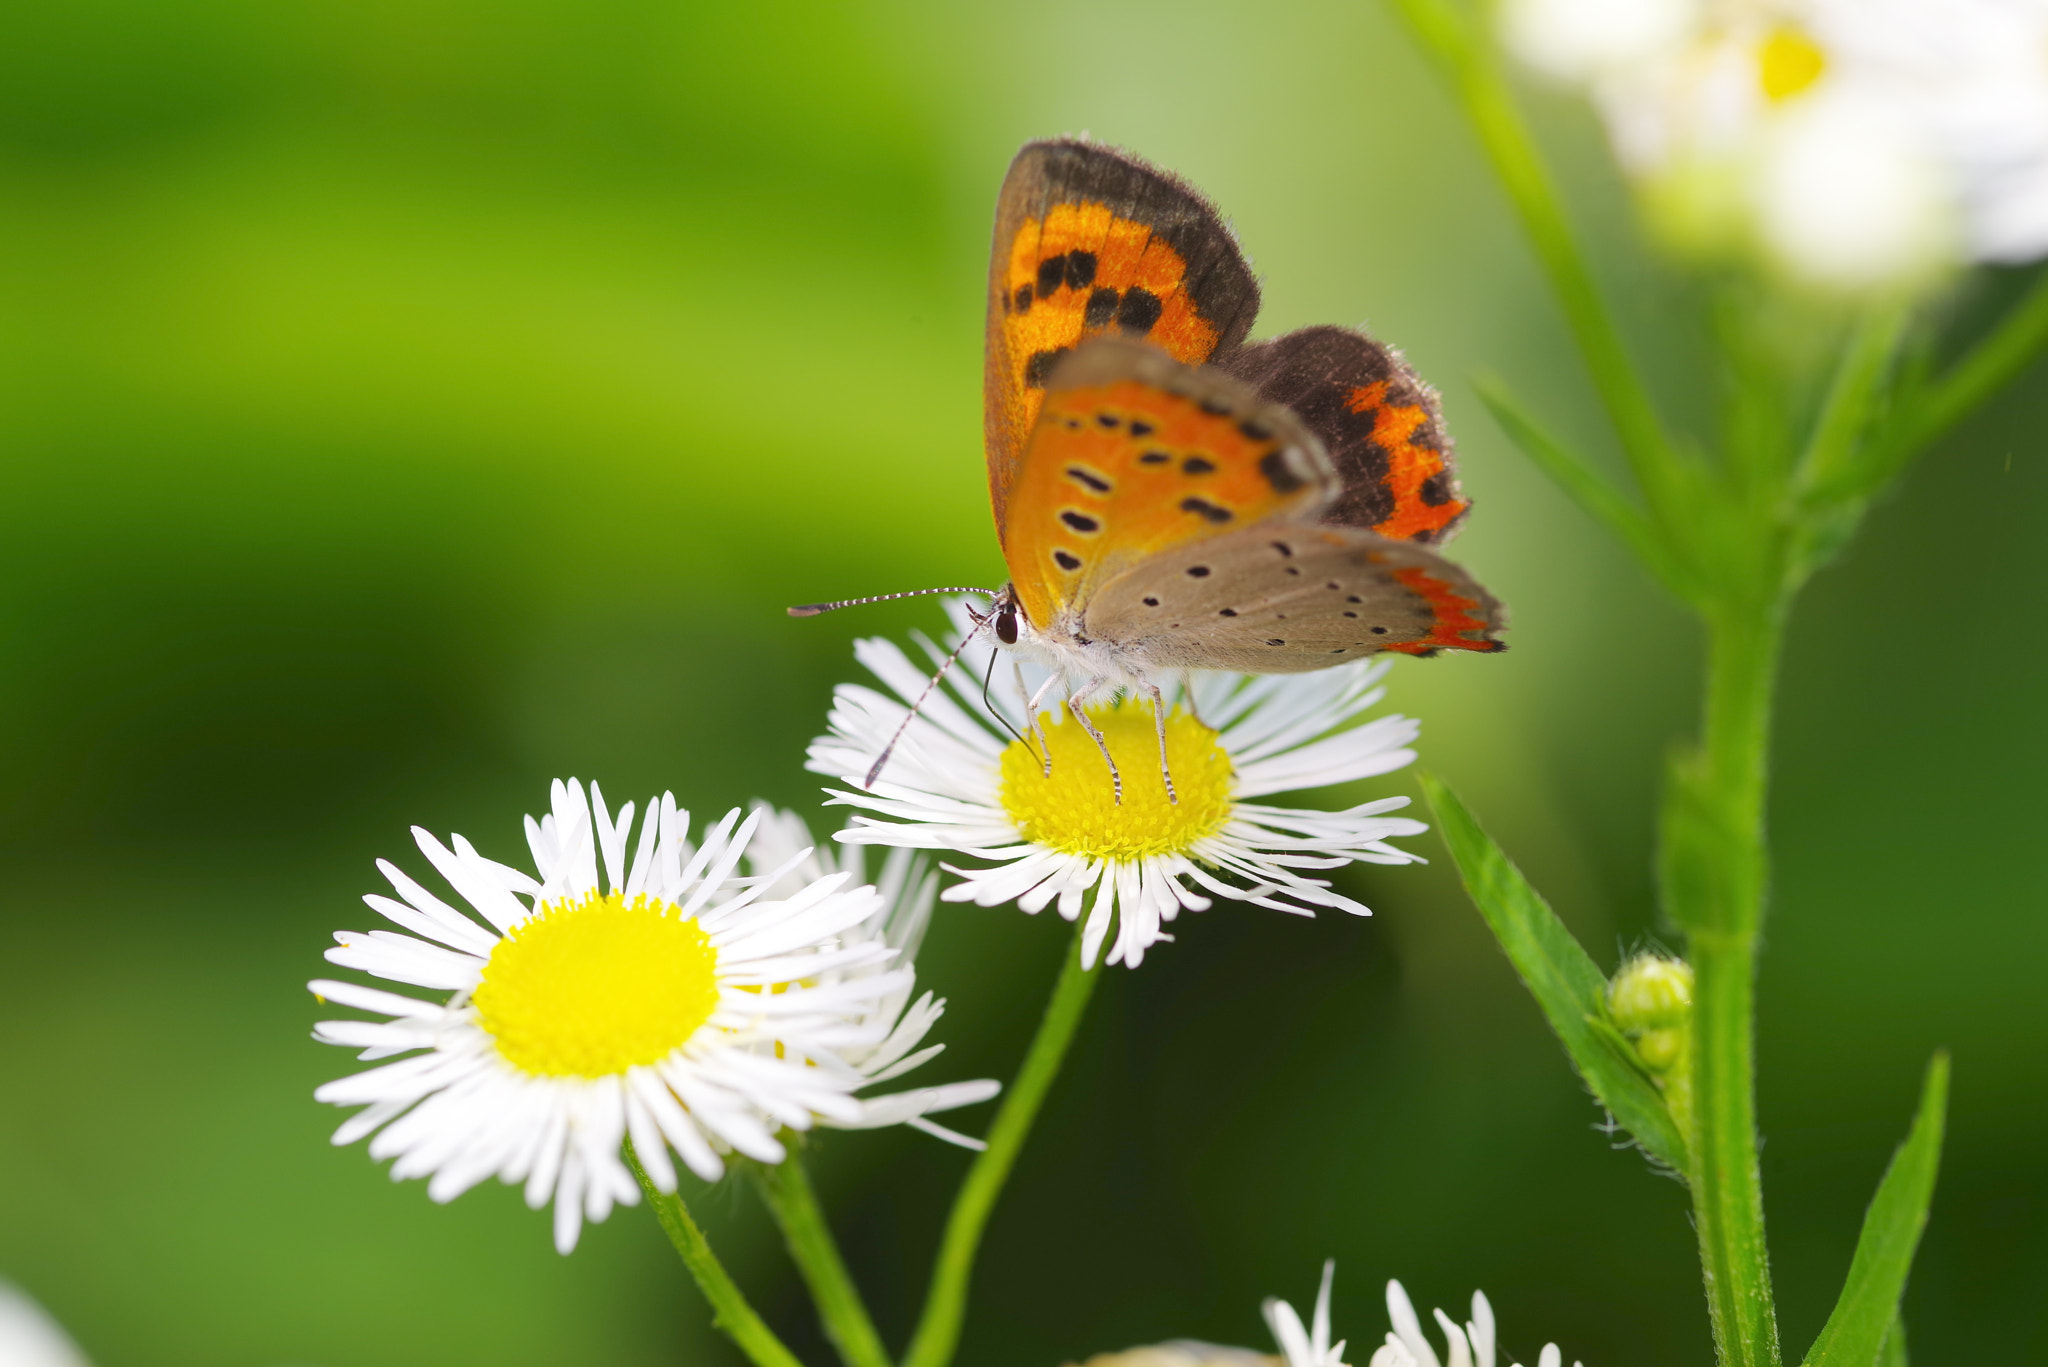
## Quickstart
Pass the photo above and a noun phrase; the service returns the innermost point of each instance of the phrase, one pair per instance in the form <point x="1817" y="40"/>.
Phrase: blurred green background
<point x="405" y="403"/>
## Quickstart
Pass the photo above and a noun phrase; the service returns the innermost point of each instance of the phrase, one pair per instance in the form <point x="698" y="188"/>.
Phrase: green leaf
<point x="1567" y="984"/>
<point x="1867" y="1313"/>
<point x="1585" y="485"/>
<point x="1894" y="1352"/>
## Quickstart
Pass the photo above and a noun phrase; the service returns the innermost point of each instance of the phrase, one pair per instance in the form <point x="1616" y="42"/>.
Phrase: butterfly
<point x="1170" y="496"/>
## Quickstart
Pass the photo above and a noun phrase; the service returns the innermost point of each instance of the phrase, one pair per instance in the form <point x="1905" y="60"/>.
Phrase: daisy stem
<point x="786" y="1186"/>
<point x="729" y="1308"/>
<point x="938" y="1329"/>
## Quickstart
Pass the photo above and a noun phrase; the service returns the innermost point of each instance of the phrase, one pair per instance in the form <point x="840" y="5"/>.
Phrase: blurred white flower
<point x="29" y="1337"/>
<point x="1577" y="40"/>
<point x="895" y="1025"/>
<point x="1858" y="142"/>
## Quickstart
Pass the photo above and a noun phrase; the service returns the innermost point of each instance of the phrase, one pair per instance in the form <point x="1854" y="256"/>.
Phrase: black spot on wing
<point x="1198" y="465"/>
<point x="1108" y="419"/>
<point x="1052" y="273"/>
<point x="1039" y="367"/>
<point x="1155" y="458"/>
<point x="1139" y="311"/>
<point x="1079" y="521"/>
<point x="1067" y="561"/>
<point x="1101" y="308"/>
<point x="1277" y="469"/>
<point x="1198" y="571"/>
<point x="1255" y="429"/>
<point x="1023" y="299"/>
<point x="1202" y="507"/>
<point x="1088" y="479"/>
<point x="1140" y="428"/>
<point x="1080" y="269"/>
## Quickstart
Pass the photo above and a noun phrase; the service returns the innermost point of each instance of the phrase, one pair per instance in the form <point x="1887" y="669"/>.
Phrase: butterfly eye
<point x="1006" y="625"/>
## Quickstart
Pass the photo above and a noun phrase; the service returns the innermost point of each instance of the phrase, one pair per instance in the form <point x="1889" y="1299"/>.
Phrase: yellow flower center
<point x="1074" y="809"/>
<point x="595" y="985"/>
<point x="1788" y="62"/>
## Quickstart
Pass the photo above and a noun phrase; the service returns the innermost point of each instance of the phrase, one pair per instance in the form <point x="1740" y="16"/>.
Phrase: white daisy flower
<point x="675" y="1005"/>
<point x="1467" y="1345"/>
<point x="1053" y="834"/>
<point x="897" y="1025"/>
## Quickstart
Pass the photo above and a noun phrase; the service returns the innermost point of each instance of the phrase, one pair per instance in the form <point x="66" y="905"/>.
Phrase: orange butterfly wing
<point x="1380" y="423"/>
<point x="1133" y="455"/>
<point x="1092" y="242"/>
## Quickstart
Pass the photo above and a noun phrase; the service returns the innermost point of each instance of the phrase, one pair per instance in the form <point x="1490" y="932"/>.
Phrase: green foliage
<point x="1567" y="984"/>
<point x="1865" y="1328"/>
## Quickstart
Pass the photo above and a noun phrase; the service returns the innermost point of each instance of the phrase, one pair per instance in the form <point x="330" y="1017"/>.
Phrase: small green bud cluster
<point x="1650" y="1002"/>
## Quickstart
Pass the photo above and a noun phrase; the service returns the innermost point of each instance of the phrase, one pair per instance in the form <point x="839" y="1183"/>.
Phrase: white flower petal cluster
<point x="1311" y="1346"/>
<point x="1862" y="142"/>
<point x="942" y="789"/>
<point x="771" y="1053"/>
<point x="1468" y="1345"/>
<point x="897" y="1025"/>
<point x="1308" y="1345"/>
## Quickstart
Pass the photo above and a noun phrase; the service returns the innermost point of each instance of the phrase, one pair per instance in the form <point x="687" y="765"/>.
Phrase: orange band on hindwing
<point x="1411" y="466"/>
<point x="1457" y="625"/>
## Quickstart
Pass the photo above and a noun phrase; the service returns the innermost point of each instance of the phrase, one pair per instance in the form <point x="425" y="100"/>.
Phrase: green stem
<point x="1989" y="366"/>
<point x="1490" y="105"/>
<point x="786" y="1186"/>
<point x="729" y="1308"/>
<point x="1723" y="928"/>
<point x="938" y="1329"/>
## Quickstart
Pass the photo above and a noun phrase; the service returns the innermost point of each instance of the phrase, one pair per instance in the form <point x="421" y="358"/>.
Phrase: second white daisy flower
<point x="673" y="1004"/>
<point x="963" y="781"/>
<point x="895" y="1025"/>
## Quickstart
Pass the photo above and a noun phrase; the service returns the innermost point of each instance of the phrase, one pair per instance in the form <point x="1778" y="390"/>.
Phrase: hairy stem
<point x="786" y="1186"/>
<point x="938" y="1329"/>
<point x="729" y="1308"/>
<point x="1723" y="926"/>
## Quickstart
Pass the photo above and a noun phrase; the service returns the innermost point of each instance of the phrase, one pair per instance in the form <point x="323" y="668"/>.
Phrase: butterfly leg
<point x="1159" y="716"/>
<point x="1074" y="701"/>
<point x="1031" y="724"/>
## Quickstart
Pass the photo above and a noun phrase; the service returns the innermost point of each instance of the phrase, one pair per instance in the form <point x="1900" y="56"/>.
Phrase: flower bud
<point x="1651" y="993"/>
<point x="1650" y="1003"/>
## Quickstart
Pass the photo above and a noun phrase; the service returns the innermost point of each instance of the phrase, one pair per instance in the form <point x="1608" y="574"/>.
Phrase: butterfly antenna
<point x="876" y="771"/>
<point x="814" y="609"/>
